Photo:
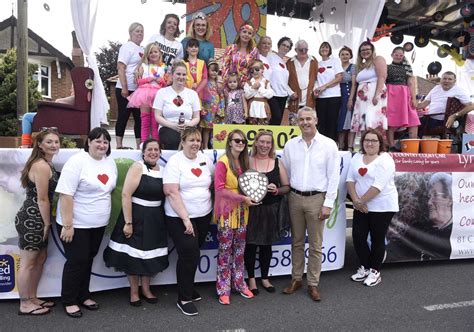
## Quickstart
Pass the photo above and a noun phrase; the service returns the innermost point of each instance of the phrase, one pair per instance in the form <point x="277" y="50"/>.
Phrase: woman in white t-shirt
<point x="187" y="180"/>
<point x="176" y="108"/>
<point x="166" y="39"/>
<point x="129" y="57"/>
<point x="85" y="186"/>
<point x="370" y="183"/>
<point x="328" y="91"/>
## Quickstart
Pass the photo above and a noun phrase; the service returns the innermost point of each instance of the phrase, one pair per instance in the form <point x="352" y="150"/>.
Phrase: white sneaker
<point x="361" y="274"/>
<point x="373" y="279"/>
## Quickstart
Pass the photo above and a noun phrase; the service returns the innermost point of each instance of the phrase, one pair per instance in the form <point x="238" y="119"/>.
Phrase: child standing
<point x="213" y="103"/>
<point x="258" y="91"/>
<point x="236" y="106"/>
<point x="152" y="73"/>
<point x="196" y="78"/>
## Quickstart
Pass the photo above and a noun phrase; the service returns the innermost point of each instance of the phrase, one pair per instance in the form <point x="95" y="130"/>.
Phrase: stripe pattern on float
<point x="137" y="253"/>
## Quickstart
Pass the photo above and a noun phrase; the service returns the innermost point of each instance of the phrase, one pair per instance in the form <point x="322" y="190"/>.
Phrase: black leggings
<point x="80" y="253"/>
<point x="124" y="114"/>
<point x="375" y="223"/>
<point x="169" y="138"/>
<point x="187" y="247"/>
<point x="328" y="113"/>
<point x="277" y="108"/>
<point x="265" y="255"/>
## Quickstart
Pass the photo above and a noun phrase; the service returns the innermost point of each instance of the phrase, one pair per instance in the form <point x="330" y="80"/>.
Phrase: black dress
<point x="145" y="253"/>
<point x="28" y="221"/>
<point x="262" y="226"/>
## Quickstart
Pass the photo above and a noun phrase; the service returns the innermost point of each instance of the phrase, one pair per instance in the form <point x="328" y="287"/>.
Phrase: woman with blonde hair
<point x="239" y="55"/>
<point x="201" y="29"/>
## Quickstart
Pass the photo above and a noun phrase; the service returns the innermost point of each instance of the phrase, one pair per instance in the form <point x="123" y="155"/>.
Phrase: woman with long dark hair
<point x="33" y="220"/>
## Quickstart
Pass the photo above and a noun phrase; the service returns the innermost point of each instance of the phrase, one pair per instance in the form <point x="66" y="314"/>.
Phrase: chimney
<point x="77" y="55"/>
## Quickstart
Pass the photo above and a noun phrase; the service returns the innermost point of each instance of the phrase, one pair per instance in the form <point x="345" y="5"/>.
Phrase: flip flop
<point x="32" y="312"/>
<point x="47" y="304"/>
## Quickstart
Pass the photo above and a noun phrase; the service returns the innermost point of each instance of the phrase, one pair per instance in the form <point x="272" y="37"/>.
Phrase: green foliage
<point x="8" y="73"/>
<point x="8" y="105"/>
<point x="107" y="61"/>
<point x="8" y="125"/>
<point x="68" y="143"/>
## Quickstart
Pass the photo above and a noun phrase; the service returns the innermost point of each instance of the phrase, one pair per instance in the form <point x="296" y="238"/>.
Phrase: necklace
<point x="268" y="163"/>
<point x="148" y="165"/>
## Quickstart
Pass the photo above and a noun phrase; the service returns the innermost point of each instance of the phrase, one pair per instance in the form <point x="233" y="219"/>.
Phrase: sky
<point x="114" y="17"/>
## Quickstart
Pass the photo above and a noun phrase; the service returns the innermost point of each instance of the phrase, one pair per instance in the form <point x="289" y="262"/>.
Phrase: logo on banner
<point x="7" y="273"/>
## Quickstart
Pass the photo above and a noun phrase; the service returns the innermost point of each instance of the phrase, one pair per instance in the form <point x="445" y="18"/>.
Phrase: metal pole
<point x="22" y="60"/>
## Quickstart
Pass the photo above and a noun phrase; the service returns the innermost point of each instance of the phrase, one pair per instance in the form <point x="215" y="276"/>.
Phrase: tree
<point x="8" y="105"/>
<point x="107" y="61"/>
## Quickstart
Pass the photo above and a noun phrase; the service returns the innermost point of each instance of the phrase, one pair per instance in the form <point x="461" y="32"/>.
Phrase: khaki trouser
<point x="304" y="213"/>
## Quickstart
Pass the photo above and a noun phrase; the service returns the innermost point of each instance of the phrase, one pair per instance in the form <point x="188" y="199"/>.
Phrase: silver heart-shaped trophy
<point x="254" y="185"/>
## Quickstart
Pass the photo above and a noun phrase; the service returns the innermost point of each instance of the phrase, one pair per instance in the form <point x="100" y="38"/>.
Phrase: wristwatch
<point x="456" y="115"/>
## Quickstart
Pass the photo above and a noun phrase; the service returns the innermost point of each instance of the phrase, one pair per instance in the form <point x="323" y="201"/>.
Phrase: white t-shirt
<point x="280" y="76"/>
<point x="90" y="183"/>
<point x="166" y="99"/>
<point x="327" y="71"/>
<point x="194" y="178"/>
<point x="267" y="69"/>
<point x="130" y="55"/>
<point x="380" y="174"/>
<point x="439" y="97"/>
<point x="170" y="49"/>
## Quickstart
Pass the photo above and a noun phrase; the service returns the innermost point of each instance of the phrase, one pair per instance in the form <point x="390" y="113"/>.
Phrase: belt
<point x="306" y="193"/>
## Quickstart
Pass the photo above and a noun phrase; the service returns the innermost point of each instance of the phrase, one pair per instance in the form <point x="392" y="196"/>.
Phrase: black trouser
<point x="328" y="113"/>
<point x="187" y="247"/>
<point x="265" y="255"/>
<point x="124" y="114"/>
<point x="277" y="108"/>
<point x="375" y="223"/>
<point x="169" y="138"/>
<point x="80" y="253"/>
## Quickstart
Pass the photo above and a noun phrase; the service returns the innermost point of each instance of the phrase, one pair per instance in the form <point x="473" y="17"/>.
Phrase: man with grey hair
<point x="303" y="70"/>
<point x="312" y="163"/>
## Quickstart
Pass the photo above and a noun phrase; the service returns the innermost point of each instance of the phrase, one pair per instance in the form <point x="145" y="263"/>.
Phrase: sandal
<point x="45" y="304"/>
<point x="34" y="312"/>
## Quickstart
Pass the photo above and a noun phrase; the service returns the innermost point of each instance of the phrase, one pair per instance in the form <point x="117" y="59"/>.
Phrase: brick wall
<point x="60" y="88"/>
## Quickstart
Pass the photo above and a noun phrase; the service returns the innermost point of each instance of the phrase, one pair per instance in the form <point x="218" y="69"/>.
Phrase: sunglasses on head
<point x="239" y="141"/>
<point x="49" y="128"/>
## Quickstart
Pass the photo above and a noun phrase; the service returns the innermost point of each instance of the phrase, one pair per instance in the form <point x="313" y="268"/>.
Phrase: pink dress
<point x="400" y="113"/>
<point x="145" y="94"/>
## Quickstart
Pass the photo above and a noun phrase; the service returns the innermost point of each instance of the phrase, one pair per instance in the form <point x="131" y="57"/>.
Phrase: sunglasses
<point x="49" y="128"/>
<point x="255" y="70"/>
<point x="302" y="49"/>
<point x="239" y="141"/>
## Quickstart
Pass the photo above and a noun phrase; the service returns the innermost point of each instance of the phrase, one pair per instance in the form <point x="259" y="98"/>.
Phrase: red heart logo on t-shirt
<point x="471" y="143"/>
<point x="196" y="171"/>
<point x="282" y="65"/>
<point x="362" y="171"/>
<point x="140" y="54"/>
<point x="103" y="178"/>
<point x="178" y="101"/>
<point x="266" y="65"/>
<point x="321" y="70"/>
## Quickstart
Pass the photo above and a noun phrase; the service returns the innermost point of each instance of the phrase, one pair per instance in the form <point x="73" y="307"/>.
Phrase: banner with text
<point x="436" y="217"/>
<point x="12" y="196"/>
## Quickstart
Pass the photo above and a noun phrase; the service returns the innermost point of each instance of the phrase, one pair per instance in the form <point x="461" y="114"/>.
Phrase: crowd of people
<point x="330" y="100"/>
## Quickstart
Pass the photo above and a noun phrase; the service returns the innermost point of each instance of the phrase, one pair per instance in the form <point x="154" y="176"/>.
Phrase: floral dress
<point x="213" y="105"/>
<point x="234" y="112"/>
<point x="237" y="62"/>
<point x="366" y="115"/>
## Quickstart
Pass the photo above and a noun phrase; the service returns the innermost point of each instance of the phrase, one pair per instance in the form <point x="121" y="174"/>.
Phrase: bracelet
<point x="67" y="227"/>
<point x="128" y="223"/>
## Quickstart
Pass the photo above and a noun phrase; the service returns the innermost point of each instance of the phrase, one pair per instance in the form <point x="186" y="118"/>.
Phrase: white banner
<point x="12" y="196"/>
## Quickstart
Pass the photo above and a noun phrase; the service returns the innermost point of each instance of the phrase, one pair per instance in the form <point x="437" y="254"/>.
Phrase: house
<point x="54" y="68"/>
